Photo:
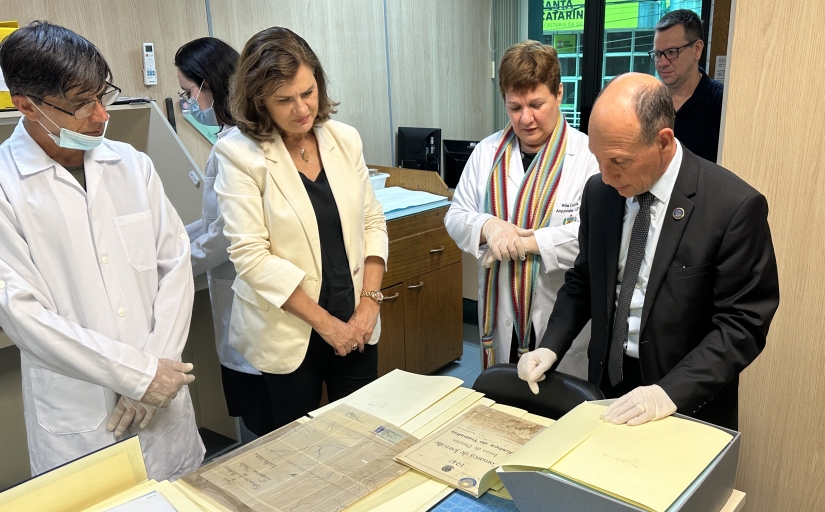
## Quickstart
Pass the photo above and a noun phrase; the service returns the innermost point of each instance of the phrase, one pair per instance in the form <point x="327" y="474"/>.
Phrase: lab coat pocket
<point x="65" y="405"/>
<point x="137" y="236"/>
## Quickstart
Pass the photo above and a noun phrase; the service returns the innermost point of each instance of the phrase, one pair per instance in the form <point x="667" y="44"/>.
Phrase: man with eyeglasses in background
<point x="697" y="99"/>
<point x="95" y="277"/>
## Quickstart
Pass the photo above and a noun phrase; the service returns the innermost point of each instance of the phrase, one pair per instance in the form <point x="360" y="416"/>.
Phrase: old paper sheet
<point x="321" y="465"/>
<point x="469" y="448"/>
<point x="398" y="396"/>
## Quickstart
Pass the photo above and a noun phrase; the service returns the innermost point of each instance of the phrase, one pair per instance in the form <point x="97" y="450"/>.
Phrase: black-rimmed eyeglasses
<point x="670" y="53"/>
<point x="83" y="111"/>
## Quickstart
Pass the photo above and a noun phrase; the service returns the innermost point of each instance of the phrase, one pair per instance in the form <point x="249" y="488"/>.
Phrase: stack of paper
<point x="397" y="198"/>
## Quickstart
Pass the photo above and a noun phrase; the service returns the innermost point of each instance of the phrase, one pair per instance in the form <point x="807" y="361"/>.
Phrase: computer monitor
<point x="456" y="154"/>
<point x="419" y="148"/>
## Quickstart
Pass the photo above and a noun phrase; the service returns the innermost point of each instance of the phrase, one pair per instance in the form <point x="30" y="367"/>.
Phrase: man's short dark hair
<point x="654" y="110"/>
<point x="43" y="59"/>
<point x="685" y="17"/>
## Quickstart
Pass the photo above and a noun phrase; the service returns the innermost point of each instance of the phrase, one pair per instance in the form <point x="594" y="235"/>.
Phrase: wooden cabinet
<point x="432" y="323"/>
<point x="421" y="316"/>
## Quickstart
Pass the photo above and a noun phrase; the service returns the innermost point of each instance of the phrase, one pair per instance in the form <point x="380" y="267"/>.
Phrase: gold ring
<point x="354" y="346"/>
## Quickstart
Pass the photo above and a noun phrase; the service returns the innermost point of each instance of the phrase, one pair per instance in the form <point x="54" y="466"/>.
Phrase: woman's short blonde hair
<point x="528" y="64"/>
<point x="270" y="59"/>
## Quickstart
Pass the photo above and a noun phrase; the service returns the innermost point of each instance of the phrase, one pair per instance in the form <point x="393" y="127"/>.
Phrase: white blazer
<point x="558" y="244"/>
<point x="95" y="286"/>
<point x="274" y="241"/>
<point x="210" y="254"/>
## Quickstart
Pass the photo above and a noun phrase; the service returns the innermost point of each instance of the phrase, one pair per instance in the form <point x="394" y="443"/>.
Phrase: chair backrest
<point x="558" y="392"/>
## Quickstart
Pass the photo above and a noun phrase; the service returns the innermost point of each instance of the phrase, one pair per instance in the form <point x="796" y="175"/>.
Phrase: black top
<point x="526" y="160"/>
<point x="337" y="294"/>
<point x="697" y="122"/>
<point x="79" y="173"/>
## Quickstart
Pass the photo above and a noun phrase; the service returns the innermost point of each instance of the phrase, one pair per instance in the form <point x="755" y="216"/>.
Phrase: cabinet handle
<point x="440" y="249"/>
<point x="392" y="297"/>
<point x="414" y="286"/>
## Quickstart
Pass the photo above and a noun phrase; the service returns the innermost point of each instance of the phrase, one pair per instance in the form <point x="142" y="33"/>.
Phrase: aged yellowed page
<point x="465" y="452"/>
<point x="321" y="465"/>
<point x="398" y="396"/>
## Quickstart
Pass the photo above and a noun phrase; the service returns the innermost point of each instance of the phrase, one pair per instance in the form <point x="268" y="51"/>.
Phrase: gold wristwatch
<point x="375" y="295"/>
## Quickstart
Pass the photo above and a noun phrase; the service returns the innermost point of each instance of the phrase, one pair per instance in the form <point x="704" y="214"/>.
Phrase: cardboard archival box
<point x="544" y="491"/>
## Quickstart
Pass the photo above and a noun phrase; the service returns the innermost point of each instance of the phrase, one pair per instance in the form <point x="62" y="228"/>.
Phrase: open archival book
<point x="648" y="466"/>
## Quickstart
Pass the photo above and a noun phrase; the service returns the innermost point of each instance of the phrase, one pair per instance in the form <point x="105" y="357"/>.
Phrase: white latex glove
<point x="533" y="365"/>
<point x="504" y="241"/>
<point x="170" y="377"/>
<point x="130" y="414"/>
<point x="643" y="404"/>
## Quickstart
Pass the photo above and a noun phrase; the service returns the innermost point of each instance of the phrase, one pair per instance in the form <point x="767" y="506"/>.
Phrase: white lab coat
<point x="558" y="243"/>
<point x="95" y="286"/>
<point x="210" y="254"/>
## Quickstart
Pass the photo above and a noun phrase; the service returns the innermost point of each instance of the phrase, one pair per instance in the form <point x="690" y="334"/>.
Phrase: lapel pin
<point x="678" y="213"/>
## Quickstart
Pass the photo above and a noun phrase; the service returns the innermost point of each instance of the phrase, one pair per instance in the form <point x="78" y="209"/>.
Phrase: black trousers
<point x="245" y="393"/>
<point x="293" y="395"/>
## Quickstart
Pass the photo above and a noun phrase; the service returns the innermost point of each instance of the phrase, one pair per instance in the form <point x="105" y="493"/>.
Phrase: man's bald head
<point x="639" y="96"/>
<point x="631" y="132"/>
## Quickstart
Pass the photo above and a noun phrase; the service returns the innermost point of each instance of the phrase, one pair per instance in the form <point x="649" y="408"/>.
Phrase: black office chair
<point x="558" y="392"/>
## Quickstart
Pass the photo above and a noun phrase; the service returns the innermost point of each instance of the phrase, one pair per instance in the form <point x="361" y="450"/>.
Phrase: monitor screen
<point x="456" y="154"/>
<point x="419" y="148"/>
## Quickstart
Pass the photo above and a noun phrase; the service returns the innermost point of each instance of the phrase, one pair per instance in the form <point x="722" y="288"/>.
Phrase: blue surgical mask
<point x="204" y="117"/>
<point x="72" y="140"/>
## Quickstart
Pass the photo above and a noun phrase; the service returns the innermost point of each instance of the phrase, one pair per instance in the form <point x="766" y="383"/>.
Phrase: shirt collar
<point x="31" y="158"/>
<point x="663" y="187"/>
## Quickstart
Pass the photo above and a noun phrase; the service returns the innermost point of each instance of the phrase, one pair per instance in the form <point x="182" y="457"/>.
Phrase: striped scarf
<point x="534" y="207"/>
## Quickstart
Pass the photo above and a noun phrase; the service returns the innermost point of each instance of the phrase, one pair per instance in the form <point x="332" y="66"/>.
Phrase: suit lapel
<point x="283" y="172"/>
<point x="672" y="229"/>
<point x="614" y="206"/>
<point x="339" y="177"/>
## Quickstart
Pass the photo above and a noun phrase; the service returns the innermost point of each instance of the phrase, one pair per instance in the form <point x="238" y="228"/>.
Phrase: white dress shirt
<point x="661" y="191"/>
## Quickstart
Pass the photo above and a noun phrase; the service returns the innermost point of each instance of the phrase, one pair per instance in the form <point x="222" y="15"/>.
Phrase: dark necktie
<point x="635" y="254"/>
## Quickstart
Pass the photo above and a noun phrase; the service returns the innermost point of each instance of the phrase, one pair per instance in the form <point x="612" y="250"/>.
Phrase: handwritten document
<point x="465" y="452"/>
<point x="324" y="464"/>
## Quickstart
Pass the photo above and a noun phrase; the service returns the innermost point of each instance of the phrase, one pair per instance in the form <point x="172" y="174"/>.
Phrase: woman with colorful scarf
<point x="516" y="209"/>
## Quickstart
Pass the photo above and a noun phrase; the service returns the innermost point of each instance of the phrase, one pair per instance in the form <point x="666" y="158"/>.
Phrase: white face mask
<point x="72" y="140"/>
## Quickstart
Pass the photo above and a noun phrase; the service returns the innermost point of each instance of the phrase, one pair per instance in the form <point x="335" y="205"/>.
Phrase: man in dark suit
<point x="676" y="269"/>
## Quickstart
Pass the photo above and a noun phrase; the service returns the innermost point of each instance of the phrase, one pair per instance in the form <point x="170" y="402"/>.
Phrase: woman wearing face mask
<point x="204" y="67"/>
<point x="308" y="236"/>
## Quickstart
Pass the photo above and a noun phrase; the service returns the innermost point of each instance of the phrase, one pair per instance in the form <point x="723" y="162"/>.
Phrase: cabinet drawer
<point x="418" y="254"/>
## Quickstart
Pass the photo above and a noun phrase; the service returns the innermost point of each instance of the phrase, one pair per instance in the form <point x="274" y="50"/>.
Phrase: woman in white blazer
<point x="307" y="235"/>
<point x="516" y="208"/>
<point x="204" y="67"/>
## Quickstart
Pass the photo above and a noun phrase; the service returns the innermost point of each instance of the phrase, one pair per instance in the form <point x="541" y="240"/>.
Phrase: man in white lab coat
<point x="95" y="280"/>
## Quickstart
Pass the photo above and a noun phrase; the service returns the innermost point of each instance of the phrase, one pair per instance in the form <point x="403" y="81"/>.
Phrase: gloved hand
<point x="533" y="365"/>
<point x="170" y="377"/>
<point x="643" y="404"/>
<point x="504" y="241"/>
<point x="128" y="414"/>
